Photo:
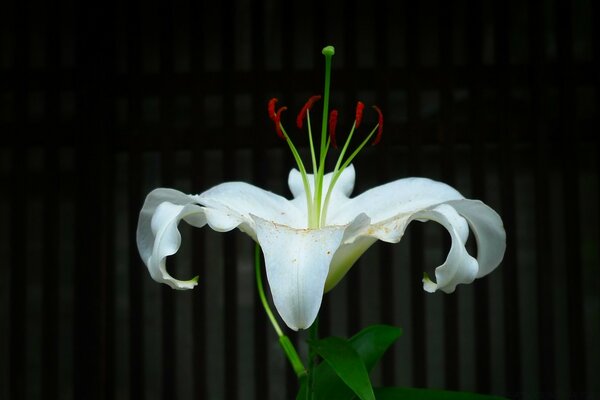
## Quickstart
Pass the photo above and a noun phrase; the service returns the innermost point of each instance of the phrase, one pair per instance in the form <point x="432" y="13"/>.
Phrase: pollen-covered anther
<point x="333" y="116"/>
<point x="379" y="126"/>
<point x="359" y="113"/>
<point x="277" y="120"/>
<point x="271" y="108"/>
<point x="304" y="110"/>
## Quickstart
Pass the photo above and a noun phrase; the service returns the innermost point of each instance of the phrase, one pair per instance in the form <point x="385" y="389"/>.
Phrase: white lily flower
<point x="301" y="262"/>
<point x="311" y="241"/>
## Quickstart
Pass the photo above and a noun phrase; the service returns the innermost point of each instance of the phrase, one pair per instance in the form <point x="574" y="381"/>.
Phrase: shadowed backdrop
<point x="100" y="102"/>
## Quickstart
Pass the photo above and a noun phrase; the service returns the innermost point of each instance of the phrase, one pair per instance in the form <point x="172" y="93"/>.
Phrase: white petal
<point x="157" y="234"/>
<point x="344" y="259"/>
<point x="488" y="230"/>
<point x="354" y="244"/>
<point x="393" y="206"/>
<point x="455" y="216"/>
<point x="387" y="201"/>
<point x="459" y="266"/>
<point x="339" y="195"/>
<point x="390" y="208"/>
<point x="224" y="207"/>
<point x="235" y="201"/>
<point x="297" y="263"/>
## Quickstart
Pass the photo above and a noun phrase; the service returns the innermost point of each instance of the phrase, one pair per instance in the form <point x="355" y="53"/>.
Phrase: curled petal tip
<point x="428" y="285"/>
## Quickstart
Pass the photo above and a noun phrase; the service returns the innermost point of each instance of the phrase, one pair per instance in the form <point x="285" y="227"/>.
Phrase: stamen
<point x="271" y="108"/>
<point x="379" y="126"/>
<point x="307" y="106"/>
<point x="332" y="123"/>
<point x="277" y="120"/>
<point x="359" y="113"/>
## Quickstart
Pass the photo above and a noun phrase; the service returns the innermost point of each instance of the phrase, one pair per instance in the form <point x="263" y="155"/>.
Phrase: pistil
<point x="316" y="207"/>
<point x="328" y="52"/>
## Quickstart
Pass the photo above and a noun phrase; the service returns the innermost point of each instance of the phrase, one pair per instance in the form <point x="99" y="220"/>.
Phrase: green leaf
<point x="347" y="364"/>
<point x="398" y="393"/>
<point x="370" y="344"/>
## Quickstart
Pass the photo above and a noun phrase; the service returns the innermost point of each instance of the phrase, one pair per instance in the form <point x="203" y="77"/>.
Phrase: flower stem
<point x="284" y="341"/>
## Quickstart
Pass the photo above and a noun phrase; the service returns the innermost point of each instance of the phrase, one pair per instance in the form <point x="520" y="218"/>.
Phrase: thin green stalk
<point x="284" y="341"/>
<point x="358" y="149"/>
<point x="328" y="52"/>
<point x="261" y="292"/>
<point x="307" y="191"/>
<point x="310" y="141"/>
<point x="336" y="175"/>
<point x="343" y="152"/>
<point x="337" y="172"/>
<point x="334" y="180"/>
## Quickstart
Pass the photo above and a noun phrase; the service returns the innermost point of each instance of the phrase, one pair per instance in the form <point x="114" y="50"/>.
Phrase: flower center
<point x="317" y="203"/>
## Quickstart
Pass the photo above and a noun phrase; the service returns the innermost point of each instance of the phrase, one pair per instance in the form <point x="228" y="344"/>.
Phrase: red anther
<point x="380" y="127"/>
<point x="332" y="123"/>
<point x="277" y="120"/>
<point x="271" y="108"/>
<point x="307" y="106"/>
<point x="359" y="113"/>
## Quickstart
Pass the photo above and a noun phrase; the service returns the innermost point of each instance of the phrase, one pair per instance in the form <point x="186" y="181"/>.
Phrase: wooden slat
<point x="595" y="12"/>
<point x="18" y="207"/>
<point x="447" y="138"/>
<point x="200" y="324"/>
<point x="18" y="276"/>
<point x="388" y="285"/>
<point x="417" y="266"/>
<point x="137" y="366"/>
<point x="51" y="240"/>
<point x="545" y="298"/>
<point x="230" y="285"/>
<point x="355" y="294"/>
<point x="259" y="169"/>
<point x="166" y="43"/>
<point x="476" y="138"/>
<point x="506" y="137"/>
<point x="94" y="53"/>
<point x="570" y="172"/>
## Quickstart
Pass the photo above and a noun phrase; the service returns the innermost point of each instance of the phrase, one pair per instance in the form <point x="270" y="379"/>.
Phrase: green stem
<point x="328" y="52"/>
<point x="284" y="341"/>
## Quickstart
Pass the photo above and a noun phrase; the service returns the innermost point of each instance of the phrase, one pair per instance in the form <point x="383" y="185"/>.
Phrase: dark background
<point x="102" y="101"/>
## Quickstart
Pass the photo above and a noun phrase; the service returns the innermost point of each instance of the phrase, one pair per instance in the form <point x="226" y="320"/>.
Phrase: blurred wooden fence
<point x="101" y="102"/>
